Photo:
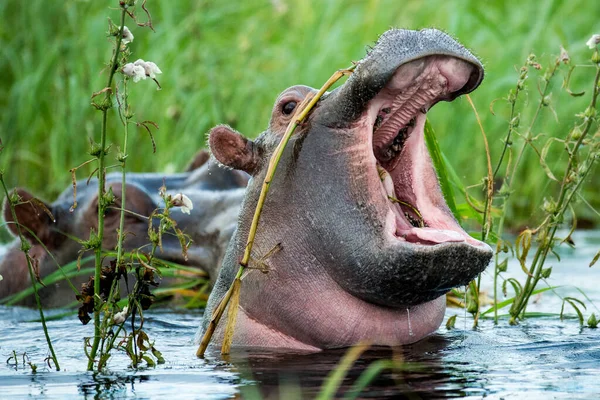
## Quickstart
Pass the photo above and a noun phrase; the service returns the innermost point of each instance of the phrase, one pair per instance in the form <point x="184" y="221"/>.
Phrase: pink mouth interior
<point x="418" y="211"/>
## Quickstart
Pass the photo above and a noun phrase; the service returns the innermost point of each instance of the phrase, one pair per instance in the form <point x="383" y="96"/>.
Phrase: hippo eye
<point x="288" y="107"/>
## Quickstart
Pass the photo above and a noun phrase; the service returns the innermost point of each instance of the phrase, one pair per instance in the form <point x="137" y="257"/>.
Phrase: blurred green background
<point x="225" y="62"/>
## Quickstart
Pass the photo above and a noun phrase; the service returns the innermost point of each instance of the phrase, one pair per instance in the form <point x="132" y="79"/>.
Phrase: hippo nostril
<point x="470" y="85"/>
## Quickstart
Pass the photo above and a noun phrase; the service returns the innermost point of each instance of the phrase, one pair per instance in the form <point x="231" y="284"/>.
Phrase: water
<point x="542" y="358"/>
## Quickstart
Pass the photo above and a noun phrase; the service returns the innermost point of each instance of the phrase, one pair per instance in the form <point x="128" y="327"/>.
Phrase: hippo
<point x="215" y="192"/>
<point x="355" y="237"/>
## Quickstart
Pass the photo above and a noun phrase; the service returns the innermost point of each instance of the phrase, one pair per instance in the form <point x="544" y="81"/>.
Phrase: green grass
<point x="225" y="62"/>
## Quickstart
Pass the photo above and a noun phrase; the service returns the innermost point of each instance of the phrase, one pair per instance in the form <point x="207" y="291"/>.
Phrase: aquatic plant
<point x="101" y="294"/>
<point x="581" y="143"/>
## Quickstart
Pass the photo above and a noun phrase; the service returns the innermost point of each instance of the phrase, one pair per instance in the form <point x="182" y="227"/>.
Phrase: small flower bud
<point x="590" y="112"/>
<point x="549" y="206"/>
<point x="592" y="321"/>
<point x="514" y="123"/>
<point x="95" y="149"/>
<point x="564" y="56"/>
<point x="181" y="200"/>
<point x="546" y="272"/>
<point x="596" y="57"/>
<point x="109" y="197"/>
<point x="523" y="73"/>
<point x="593" y="41"/>
<point x="25" y="246"/>
<point x="576" y="133"/>
<point x="546" y="100"/>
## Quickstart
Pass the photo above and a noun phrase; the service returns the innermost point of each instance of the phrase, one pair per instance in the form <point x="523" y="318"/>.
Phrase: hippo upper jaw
<point x="422" y="251"/>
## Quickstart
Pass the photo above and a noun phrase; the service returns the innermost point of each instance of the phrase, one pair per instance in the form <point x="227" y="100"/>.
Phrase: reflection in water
<point x="541" y="358"/>
<point x="422" y="372"/>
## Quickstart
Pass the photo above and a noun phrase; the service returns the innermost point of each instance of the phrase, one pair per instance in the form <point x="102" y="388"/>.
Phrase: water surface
<point x="541" y="358"/>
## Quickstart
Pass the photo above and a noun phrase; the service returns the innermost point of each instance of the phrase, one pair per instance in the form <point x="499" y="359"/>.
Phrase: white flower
<point x="594" y="40"/>
<point x="135" y="71"/>
<point x="150" y="68"/>
<point x="120" y="317"/>
<point x="127" y="36"/>
<point x="181" y="200"/>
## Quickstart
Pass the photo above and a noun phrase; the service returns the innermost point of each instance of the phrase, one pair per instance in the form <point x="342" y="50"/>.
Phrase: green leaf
<point x="368" y="375"/>
<point x="440" y="167"/>
<point x="149" y="361"/>
<point x="572" y="302"/>
<point x="543" y="159"/>
<point x="451" y="322"/>
<point x="595" y="259"/>
<point x="336" y="376"/>
<point x="508" y="302"/>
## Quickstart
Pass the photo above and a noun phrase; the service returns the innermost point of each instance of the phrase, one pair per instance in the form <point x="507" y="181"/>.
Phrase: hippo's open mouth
<point x="397" y="115"/>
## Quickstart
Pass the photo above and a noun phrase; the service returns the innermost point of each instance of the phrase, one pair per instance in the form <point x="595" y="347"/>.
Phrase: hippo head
<point x="54" y="227"/>
<point x="59" y="228"/>
<point x="362" y="233"/>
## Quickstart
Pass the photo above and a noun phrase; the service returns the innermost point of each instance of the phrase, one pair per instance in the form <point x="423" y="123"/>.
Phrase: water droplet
<point x="465" y="307"/>
<point x="410" y="332"/>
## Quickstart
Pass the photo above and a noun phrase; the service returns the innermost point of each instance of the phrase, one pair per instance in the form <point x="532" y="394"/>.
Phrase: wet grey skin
<point x="346" y="261"/>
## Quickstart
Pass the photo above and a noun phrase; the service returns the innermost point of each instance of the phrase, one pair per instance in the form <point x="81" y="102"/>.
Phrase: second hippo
<point x="215" y="192"/>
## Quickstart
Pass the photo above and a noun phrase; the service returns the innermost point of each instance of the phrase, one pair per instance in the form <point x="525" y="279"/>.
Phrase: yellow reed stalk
<point x="234" y="290"/>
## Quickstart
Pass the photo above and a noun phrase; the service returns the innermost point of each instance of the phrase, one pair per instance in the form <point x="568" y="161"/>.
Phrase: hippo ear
<point x="233" y="150"/>
<point x="31" y="213"/>
<point x="199" y="160"/>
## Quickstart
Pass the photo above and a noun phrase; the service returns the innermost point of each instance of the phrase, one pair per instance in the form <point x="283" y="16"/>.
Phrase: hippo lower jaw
<point x="417" y="213"/>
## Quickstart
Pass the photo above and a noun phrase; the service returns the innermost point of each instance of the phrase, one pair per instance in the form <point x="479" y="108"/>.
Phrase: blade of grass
<point x="508" y="302"/>
<point x="440" y="164"/>
<point x="336" y="377"/>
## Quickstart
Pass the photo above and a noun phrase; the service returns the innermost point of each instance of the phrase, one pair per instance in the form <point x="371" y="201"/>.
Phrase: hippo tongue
<point x="433" y="235"/>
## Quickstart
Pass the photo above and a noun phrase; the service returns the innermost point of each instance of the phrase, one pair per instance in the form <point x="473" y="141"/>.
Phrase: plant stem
<point x="38" y="302"/>
<point x="547" y="234"/>
<point x="101" y="193"/>
<point x="304" y="110"/>
<point x="486" y="227"/>
<point x="123" y="181"/>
